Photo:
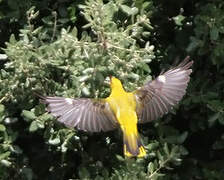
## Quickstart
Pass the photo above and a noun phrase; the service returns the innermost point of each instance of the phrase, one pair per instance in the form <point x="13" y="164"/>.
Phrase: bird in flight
<point x="123" y="109"/>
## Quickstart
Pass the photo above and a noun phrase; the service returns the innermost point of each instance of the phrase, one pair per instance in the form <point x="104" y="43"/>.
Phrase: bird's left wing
<point x="83" y="113"/>
<point x="157" y="97"/>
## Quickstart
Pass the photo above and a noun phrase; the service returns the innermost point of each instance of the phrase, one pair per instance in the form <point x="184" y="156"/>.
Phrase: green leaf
<point x="4" y="155"/>
<point x="146" y="34"/>
<point x="2" y="128"/>
<point x="146" y="68"/>
<point x="33" y="126"/>
<point x="182" y="137"/>
<point x="120" y="158"/>
<point x="28" y="115"/>
<point x="64" y="147"/>
<point x="40" y="124"/>
<point x="39" y="109"/>
<point x="85" y="91"/>
<point x="86" y="71"/>
<point x="3" y="57"/>
<point x="72" y="13"/>
<point x="110" y="8"/>
<point x="5" y="162"/>
<point x="213" y="119"/>
<point x="54" y="141"/>
<point x="74" y="31"/>
<point x="151" y="167"/>
<point x="16" y="149"/>
<point x="153" y="146"/>
<point x="166" y="149"/>
<point x="129" y="11"/>
<point x="2" y="114"/>
<point x="46" y="117"/>
<point x="2" y="108"/>
<point x="178" y="19"/>
<point x="4" y="74"/>
<point x="84" y="78"/>
<point x="12" y="39"/>
<point x="214" y="33"/>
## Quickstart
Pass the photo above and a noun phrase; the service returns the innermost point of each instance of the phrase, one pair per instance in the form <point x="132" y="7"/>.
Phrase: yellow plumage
<point x="123" y="105"/>
<point x="124" y="109"/>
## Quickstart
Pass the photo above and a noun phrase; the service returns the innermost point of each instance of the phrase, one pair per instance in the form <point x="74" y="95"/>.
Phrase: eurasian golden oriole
<point x="124" y="109"/>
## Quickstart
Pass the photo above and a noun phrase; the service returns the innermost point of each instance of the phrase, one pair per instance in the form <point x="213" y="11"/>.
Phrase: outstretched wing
<point x="157" y="97"/>
<point x="83" y="113"/>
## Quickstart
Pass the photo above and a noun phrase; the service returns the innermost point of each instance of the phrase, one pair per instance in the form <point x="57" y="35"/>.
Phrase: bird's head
<point x="115" y="83"/>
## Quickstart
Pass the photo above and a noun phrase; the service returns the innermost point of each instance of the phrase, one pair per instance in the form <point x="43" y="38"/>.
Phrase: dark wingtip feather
<point x="132" y="151"/>
<point x="38" y="95"/>
<point x="186" y="63"/>
<point x="158" y="96"/>
<point x="42" y="98"/>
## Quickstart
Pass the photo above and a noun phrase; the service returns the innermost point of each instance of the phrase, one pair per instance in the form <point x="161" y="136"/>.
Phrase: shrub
<point x="69" y="48"/>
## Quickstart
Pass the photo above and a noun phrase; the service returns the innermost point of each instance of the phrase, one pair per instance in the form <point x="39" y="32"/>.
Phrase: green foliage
<point x="208" y="43"/>
<point x="161" y="158"/>
<point x="13" y="16"/>
<point x="209" y="32"/>
<point x="200" y="34"/>
<point x="69" y="48"/>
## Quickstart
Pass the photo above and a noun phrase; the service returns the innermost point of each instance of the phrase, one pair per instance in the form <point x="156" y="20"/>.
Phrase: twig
<point x="3" y="98"/>
<point x="55" y="24"/>
<point x="160" y="166"/>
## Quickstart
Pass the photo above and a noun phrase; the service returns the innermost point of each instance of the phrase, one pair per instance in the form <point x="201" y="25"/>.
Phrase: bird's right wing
<point x="157" y="97"/>
<point x="83" y="113"/>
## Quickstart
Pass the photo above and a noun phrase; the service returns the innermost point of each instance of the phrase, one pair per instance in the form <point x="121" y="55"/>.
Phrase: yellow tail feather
<point x="142" y="152"/>
<point x="133" y="146"/>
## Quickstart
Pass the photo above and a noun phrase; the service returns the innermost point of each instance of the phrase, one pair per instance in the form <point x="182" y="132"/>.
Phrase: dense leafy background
<point x="68" y="48"/>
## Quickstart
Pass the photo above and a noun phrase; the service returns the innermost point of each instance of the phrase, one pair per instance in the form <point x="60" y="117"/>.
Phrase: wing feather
<point x="157" y="97"/>
<point x="83" y="113"/>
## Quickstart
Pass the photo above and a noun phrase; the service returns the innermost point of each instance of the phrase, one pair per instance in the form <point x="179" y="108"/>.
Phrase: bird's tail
<point x="133" y="145"/>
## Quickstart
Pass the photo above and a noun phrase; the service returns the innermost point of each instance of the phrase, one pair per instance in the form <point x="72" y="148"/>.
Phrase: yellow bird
<point x="124" y="109"/>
